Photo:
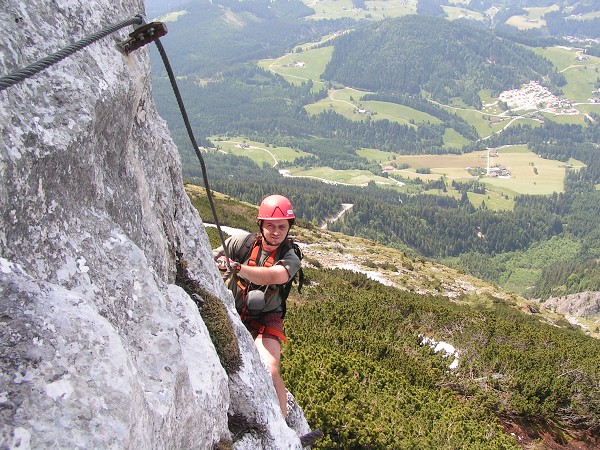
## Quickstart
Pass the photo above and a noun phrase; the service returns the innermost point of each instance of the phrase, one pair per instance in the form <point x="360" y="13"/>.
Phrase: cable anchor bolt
<point x="142" y="35"/>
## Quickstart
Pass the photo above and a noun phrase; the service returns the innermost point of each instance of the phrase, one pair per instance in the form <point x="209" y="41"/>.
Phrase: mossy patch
<point x="239" y="425"/>
<point x="215" y="317"/>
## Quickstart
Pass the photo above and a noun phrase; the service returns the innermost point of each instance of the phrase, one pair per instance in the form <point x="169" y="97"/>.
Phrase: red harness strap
<point x="252" y="323"/>
<point x="262" y="329"/>
<point x="254" y="256"/>
<point x="253" y="262"/>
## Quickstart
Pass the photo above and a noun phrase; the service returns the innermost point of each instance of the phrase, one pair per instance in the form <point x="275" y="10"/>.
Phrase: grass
<point x="456" y="12"/>
<point x="373" y="154"/>
<point x="533" y="18"/>
<point x="521" y="162"/>
<point x="172" y="16"/>
<point x="342" y="107"/>
<point x="347" y="102"/>
<point x="375" y="10"/>
<point x="476" y="118"/>
<point x="453" y="139"/>
<point x="398" y="113"/>
<point x="580" y="80"/>
<point x="300" y="67"/>
<point x="493" y="200"/>
<point x="573" y="119"/>
<point x="580" y="75"/>
<point x="523" y="179"/>
<point x="352" y="177"/>
<point x="258" y="152"/>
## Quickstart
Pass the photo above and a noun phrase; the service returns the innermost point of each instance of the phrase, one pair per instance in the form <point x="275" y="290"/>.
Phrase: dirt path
<point x="345" y="207"/>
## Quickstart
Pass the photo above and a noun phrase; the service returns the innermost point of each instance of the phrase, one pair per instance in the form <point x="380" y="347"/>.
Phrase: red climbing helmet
<point x="275" y="207"/>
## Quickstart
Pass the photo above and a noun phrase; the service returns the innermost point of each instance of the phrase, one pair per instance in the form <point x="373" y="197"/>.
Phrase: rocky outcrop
<point x="583" y="304"/>
<point x="101" y="348"/>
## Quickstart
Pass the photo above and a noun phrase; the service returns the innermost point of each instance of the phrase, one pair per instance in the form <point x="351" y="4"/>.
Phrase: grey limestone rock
<point x="99" y="347"/>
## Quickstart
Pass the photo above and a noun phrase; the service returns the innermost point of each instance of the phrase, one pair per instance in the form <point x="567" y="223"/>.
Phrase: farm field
<point x="258" y="152"/>
<point x="349" y="177"/>
<point x="521" y="163"/>
<point x="375" y="10"/>
<point x="298" y="68"/>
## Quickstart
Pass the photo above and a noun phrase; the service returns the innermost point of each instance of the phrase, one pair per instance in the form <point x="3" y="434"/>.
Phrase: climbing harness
<point x="253" y="246"/>
<point x="143" y="34"/>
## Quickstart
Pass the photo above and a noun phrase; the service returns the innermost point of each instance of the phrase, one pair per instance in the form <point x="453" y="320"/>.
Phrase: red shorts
<point x="270" y="320"/>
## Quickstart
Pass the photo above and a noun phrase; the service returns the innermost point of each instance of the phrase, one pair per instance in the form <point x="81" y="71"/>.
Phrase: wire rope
<point x="190" y="132"/>
<point x="38" y="66"/>
<point x="42" y="64"/>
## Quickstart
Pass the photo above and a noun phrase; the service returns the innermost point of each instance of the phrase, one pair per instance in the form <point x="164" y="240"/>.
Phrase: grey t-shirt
<point x="237" y="251"/>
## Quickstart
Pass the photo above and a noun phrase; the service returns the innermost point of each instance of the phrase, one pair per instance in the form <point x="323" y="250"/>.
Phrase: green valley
<point x="369" y="113"/>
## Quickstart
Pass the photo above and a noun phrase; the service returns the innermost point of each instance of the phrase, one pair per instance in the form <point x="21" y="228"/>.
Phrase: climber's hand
<point x="222" y="265"/>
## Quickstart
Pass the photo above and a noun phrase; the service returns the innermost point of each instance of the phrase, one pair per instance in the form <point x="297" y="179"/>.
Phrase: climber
<point x="259" y="274"/>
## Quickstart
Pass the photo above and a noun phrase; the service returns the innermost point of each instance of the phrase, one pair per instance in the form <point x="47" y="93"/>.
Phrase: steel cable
<point x="190" y="132"/>
<point x="32" y="69"/>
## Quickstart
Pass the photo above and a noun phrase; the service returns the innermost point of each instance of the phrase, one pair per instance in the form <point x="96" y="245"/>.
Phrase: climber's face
<point x="275" y="231"/>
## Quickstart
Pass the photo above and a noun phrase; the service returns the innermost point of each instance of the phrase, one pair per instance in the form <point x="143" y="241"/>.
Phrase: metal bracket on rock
<point x="143" y="35"/>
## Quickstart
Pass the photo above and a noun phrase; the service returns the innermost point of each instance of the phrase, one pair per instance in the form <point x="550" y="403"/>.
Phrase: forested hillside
<point x="359" y="364"/>
<point x="417" y="53"/>
<point x="211" y="36"/>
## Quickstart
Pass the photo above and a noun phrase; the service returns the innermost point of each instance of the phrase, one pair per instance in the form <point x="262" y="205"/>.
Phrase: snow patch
<point x="438" y="346"/>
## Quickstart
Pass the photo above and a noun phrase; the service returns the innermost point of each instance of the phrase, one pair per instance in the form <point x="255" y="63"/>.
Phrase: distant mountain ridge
<point x="419" y="53"/>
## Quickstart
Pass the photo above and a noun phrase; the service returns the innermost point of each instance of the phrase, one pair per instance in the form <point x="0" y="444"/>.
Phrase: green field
<point x="375" y="10"/>
<point x="533" y="18"/>
<point x="456" y="12"/>
<point x="347" y="102"/>
<point x="258" y="152"/>
<point x="580" y="75"/>
<point x="373" y="154"/>
<point x="521" y="163"/>
<point x="453" y="139"/>
<point x="172" y="16"/>
<point x="574" y="119"/>
<point x="349" y="177"/>
<point x="299" y="67"/>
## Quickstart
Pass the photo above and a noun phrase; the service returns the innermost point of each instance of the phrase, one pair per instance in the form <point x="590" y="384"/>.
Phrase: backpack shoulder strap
<point x="246" y="249"/>
<point x="285" y="289"/>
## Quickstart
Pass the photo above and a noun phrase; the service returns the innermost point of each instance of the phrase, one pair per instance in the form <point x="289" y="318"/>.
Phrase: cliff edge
<point x="101" y="346"/>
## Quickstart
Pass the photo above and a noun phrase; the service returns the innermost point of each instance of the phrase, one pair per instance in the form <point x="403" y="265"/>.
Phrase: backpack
<point x="284" y="289"/>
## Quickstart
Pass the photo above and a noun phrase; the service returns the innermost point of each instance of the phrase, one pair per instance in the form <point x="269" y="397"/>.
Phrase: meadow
<point x="299" y="67"/>
<point x="259" y="152"/>
<point x="375" y="10"/>
<point x="351" y="177"/>
<point x="533" y="18"/>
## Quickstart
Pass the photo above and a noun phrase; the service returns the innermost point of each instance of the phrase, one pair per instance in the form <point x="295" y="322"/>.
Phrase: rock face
<point x="583" y="304"/>
<point x="99" y="347"/>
